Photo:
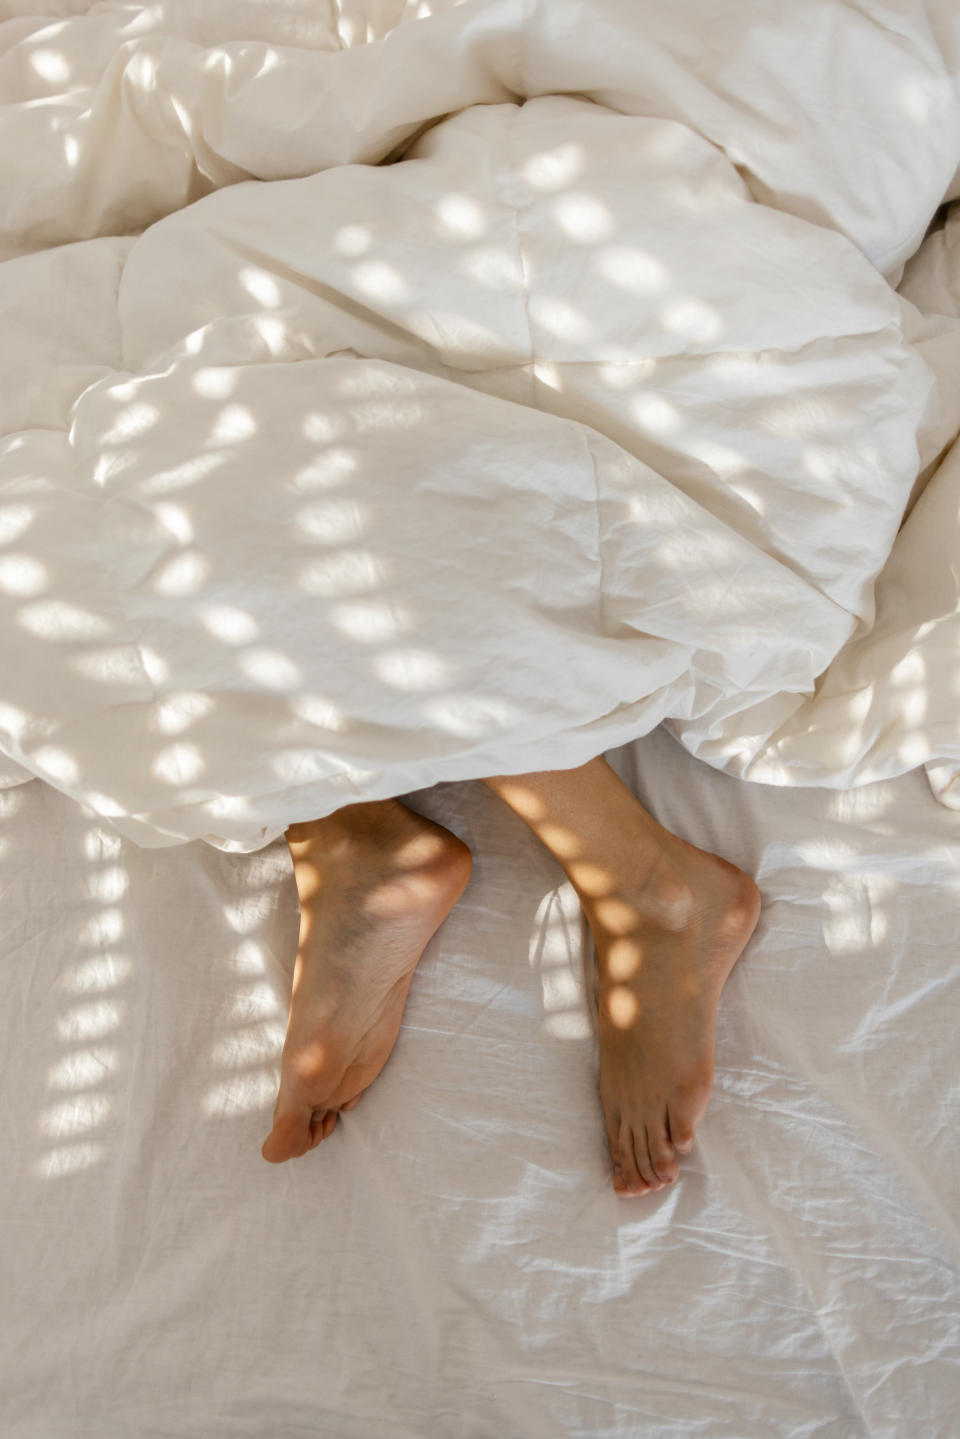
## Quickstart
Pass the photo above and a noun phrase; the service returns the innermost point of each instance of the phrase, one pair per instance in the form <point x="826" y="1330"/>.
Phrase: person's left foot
<point x="375" y="881"/>
<point x="669" y="922"/>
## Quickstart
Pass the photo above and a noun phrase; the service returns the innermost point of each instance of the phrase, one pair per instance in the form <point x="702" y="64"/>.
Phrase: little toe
<point x="681" y="1131"/>
<point x="662" y="1155"/>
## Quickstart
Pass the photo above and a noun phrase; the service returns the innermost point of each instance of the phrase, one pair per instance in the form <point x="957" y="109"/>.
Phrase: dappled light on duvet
<point x="582" y="414"/>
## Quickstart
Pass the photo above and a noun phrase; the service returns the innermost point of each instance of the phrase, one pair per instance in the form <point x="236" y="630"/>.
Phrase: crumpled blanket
<point x="407" y="393"/>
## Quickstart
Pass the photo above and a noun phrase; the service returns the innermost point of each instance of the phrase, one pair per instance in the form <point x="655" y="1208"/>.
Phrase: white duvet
<point x="595" y="407"/>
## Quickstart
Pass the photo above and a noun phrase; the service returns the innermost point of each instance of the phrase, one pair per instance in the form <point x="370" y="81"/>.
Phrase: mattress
<point x="453" y="1260"/>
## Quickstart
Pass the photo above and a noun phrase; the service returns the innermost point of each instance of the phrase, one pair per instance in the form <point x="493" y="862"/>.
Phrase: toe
<point x="662" y="1156"/>
<point x="641" y="1150"/>
<point x="681" y="1130"/>
<point x="636" y="1181"/>
<point x="290" y="1136"/>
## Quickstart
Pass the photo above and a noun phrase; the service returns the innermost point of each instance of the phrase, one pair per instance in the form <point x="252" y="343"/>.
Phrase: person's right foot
<point x="375" y="882"/>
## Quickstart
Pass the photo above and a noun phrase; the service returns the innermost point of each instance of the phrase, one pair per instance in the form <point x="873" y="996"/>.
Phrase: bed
<point x="454" y="1261"/>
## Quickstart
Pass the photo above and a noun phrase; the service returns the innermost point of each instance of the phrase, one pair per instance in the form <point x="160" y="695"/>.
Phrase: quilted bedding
<point x="400" y="393"/>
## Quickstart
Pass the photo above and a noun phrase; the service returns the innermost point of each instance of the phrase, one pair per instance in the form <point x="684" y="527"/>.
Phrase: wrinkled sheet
<point x="453" y="1261"/>
<point x="324" y="479"/>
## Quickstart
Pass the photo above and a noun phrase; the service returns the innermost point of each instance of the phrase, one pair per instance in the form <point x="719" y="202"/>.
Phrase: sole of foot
<point x="375" y="883"/>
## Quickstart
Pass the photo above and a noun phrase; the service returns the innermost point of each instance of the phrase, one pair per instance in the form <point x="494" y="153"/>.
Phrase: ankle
<point x="636" y="891"/>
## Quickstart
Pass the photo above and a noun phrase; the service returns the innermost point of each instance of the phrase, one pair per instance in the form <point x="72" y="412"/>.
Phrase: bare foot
<point x="375" y="881"/>
<point x="668" y="931"/>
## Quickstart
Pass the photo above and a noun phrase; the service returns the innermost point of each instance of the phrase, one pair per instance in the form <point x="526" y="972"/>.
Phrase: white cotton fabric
<point x="591" y="409"/>
<point x="453" y="1261"/>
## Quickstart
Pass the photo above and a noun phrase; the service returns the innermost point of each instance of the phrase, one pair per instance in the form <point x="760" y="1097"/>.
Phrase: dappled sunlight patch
<point x="233" y="424"/>
<point x="411" y="670"/>
<point x="299" y="766"/>
<point x="108" y="885"/>
<point x="721" y="459"/>
<point x="319" y="711"/>
<point x="215" y="382"/>
<point x="461" y="216"/>
<point x="631" y="269"/>
<point x="582" y="218"/>
<point x="135" y="420"/>
<point x="218" y="60"/>
<point x="655" y="415"/>
<point x="228" y="806"/>
<point x="333" y="522"/>
<point x="344" y="573"/>
<point x="183" y="574"/>
<point x="250" y="956"/>
<point x="175" y="519"/>
<point x="493" y="267"/>
<point x="182" y="476"/>
<point x="388" y="414"/>
<point x="556" y="955"/>
<point x="380" y="281"/>
<point x="102" y="929"/>
<point x="89" y="1021"/>
<point x="548" y="374"/>
<point x="50" y="65"/>
<point x="178" y="764"/>
<point x="918" y="98"/>
<point x="56" y="763"/>
<point x="470" y="716"/>
<point x="96" y="975"/>
<point x="333" y="467"/>
<point x="623" y="1006"/>
<point x="22" y="575"/>
<point x="554" y="168"/>
<point x="100" y="843"/>
<point x="252" y="1003"/>
<point x="15" y="520"/>
<point x="75" y="1116"/>
<point x="157" y="669"/>
<point x="625" y="374"/>
<point x="230" y="623"/>
<point x="69" y="1159"/>
<point x="272" y="331"/>
<point x="693" y="319"/>
<point x="241" y="1094"/>
<point x="353" y="240"/>
<point x="243" y="917"/>
<point x="83" y="1068"/>
<point x="141" y="70"/>
<point x="111" y="463"/>
<point x="102" y="804"/>
<point x="369" y="620"/>
<point x="261" y="286"/>
<point x="58" y="620"/>
<point x="270" y="668"/>
<point x="557" y="316"/>
<point x="177" y="712"/>
<point x="119" y="665"/>
<point x="321" y="427"/>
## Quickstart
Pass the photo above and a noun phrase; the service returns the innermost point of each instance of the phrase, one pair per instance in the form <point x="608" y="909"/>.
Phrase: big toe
<point x="296" y="1132"/>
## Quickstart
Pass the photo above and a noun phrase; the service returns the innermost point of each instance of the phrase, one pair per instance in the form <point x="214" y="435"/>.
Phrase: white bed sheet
<point x="454" y="1262"/>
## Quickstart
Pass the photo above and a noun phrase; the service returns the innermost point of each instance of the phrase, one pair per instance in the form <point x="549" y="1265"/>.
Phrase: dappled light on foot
<point x="375" y="883"/>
